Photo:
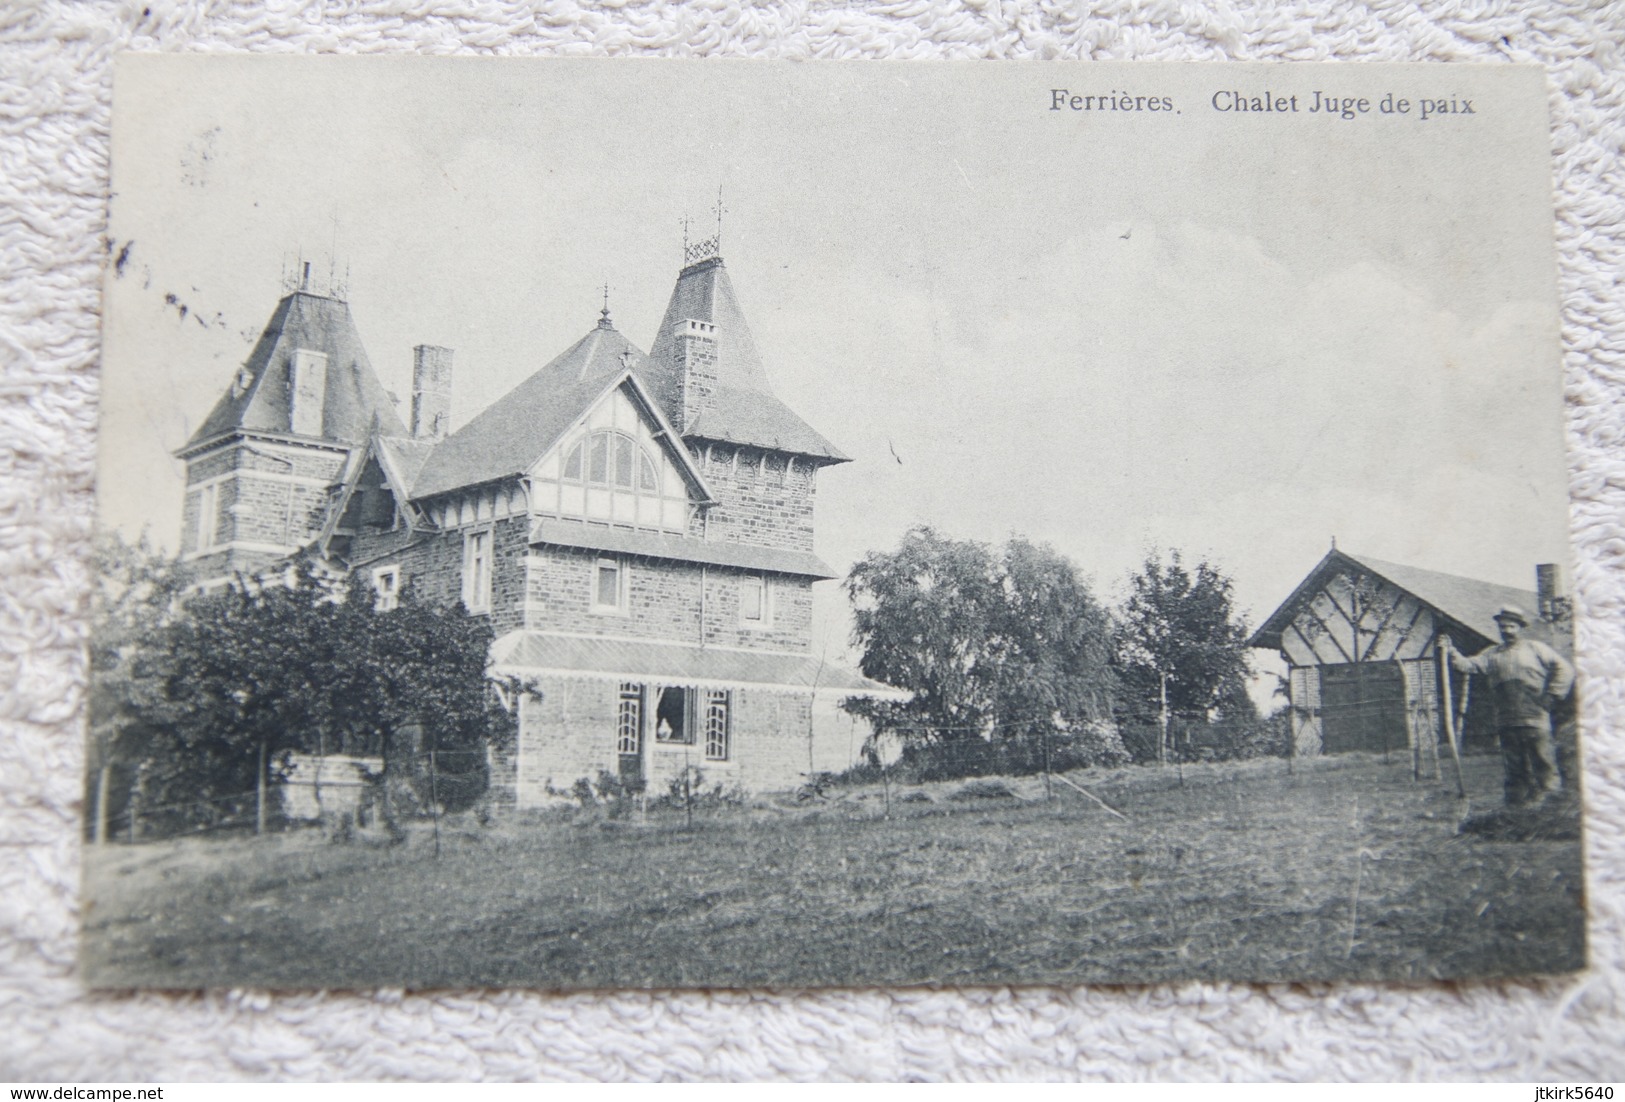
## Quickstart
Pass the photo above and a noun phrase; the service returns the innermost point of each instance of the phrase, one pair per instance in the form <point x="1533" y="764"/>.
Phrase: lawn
<point x="1343" y="868"/>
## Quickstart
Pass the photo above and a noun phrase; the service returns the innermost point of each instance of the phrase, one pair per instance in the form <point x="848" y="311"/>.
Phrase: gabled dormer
<point x="631" y="467"/>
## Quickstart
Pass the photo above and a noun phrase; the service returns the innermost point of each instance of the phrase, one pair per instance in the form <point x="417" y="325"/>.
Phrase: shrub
<point x="984" y="789"/>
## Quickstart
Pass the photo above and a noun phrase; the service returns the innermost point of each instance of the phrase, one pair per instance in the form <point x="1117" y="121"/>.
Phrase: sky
<point x="1238" y="334"/>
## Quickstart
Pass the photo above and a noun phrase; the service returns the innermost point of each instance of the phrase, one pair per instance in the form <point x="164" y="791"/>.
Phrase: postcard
<point x="606" y="524"/>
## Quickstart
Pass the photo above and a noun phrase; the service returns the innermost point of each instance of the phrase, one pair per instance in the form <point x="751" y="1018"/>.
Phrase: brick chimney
<point x="1552" y="590"/>
<point x="431" y="391"/>
<point x="694" y="347"/>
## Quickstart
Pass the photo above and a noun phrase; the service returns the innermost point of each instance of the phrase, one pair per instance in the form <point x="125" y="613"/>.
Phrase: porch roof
<point x="617" y="659"/>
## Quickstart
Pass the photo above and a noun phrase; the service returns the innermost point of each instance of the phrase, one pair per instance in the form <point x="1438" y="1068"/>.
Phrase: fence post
<point x="103" y="780"/>
<point x="1162" y="718"/>
<point x="259" y="793"/>
<point x="1043" y="736"/>
<point x="434" y="802"/>
<point x="316" y="784"/>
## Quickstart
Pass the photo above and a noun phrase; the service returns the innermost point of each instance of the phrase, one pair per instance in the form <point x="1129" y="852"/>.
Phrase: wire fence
<point x="298" y="788"/>
<point x="954" y="767"/>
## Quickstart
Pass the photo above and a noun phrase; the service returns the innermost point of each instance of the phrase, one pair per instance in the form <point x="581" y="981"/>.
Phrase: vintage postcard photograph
<point x="604" y="524"/>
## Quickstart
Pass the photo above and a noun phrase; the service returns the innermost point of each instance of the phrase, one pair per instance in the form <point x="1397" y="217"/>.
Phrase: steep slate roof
<point x="1467" y="601"/>
<point x="519" y="428"/>
<point x="755" y="417"/>
<point x="654" y="545"/>
<point x="630" y="659"/>
<point x="403" y="457"/>
<point x="354" y="400"/>
<point x="745" y="410"/>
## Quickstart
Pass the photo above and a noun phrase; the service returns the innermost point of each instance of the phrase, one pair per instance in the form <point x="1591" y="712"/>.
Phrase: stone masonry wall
<point x="274" y="496"/>
<point x="432" y="565"/>
<point x="766" y="501"/>
<point x="663" y="602"/>
<point x="568" y="732"/>
<point x="565" y="733"/>
<point x="282" y="459"/>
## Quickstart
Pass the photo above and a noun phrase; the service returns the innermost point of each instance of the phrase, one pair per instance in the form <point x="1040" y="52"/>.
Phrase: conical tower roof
<point x="260" y="397"/>
<point x="742" y="408"/>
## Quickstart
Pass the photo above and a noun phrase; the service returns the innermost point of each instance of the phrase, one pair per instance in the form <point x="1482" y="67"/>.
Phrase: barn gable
<point x="1360" y="638"/>
<point x="1354" y="608"/>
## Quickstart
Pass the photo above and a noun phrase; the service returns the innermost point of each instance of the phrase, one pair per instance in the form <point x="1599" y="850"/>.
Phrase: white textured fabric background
<point x="55" y="76"/>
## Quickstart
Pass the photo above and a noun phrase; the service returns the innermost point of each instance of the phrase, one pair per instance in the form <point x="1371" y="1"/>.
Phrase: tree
<point x="996" y="646"/>
<point x="137" y="592"/>
<point x="1181" y="647"/>
<point x="411" y="686"/>
<point x="231" y="682"/>
<point x="247" y="676"/>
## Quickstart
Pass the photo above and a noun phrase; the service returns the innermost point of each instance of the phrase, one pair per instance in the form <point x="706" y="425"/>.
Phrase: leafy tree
<point x="410" y="683"/>
<point x="215" y="690"/>
<point x="997" y="646"/>
<point x="1181" y="646"/>
<point x="137" y="592"/>
<point x="246" y="677"/>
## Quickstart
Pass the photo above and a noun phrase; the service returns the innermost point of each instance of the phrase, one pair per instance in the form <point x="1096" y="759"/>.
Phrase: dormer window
<point x="612" y="459"/>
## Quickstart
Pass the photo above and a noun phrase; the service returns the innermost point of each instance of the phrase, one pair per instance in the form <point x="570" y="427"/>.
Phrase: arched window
<point x="612" y="459"/>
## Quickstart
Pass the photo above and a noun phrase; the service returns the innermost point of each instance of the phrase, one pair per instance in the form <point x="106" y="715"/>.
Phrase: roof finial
<point x="721" y="210"/>
<point x="603" y="315"/>
<point x="1334" y="543"/>
<point x="709" y="248"/>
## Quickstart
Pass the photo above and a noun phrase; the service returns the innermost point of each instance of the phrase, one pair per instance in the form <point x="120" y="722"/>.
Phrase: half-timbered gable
<point x="1360" y="638"/>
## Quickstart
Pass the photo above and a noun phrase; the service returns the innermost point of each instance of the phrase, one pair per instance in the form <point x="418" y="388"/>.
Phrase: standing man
<point x="1527" y="678"/>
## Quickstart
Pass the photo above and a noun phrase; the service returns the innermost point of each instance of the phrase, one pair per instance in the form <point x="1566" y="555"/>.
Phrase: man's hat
<point x="1512" y="612"/>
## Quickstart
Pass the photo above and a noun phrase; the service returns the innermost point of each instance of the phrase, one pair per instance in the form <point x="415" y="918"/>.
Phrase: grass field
<point x="1343" y="869"/>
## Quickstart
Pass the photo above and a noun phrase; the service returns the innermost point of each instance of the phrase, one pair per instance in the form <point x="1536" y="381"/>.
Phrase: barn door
<point x="1304" y="689"/>
<point x="1363" y="707"/>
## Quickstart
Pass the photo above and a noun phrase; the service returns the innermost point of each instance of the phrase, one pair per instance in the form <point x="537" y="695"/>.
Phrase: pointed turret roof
<point x="523" y="424"/>
<point x="259" y="398"/>
<point x="743" y="408"/>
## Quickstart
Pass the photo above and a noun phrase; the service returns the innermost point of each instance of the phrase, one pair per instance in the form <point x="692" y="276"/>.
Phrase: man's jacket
<point x="1527" y="676"/>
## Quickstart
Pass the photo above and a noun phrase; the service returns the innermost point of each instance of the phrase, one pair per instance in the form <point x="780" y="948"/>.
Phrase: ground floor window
<point x="672" y="716"/>
<point x="629" y="720"/>
<point x="716" y="724"/>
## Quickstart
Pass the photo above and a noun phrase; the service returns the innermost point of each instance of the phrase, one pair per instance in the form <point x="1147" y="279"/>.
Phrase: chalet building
<point x="1360" y="638"/>
<point x="637" y="525"/>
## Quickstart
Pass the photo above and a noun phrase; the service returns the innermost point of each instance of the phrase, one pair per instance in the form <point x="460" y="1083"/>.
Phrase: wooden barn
<point x="1360" y="639"/>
